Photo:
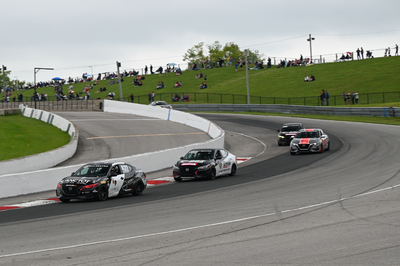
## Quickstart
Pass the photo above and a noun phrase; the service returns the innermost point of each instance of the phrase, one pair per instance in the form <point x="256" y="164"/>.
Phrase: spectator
<point x="306" y="79"/>
<point x="323" y="98"/>
<point x="203" y="86"/>
<point x="327" y="97"/>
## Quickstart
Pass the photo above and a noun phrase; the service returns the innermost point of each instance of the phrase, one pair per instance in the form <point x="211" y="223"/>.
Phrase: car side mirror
<point x="72" y="173"/>
<point x="278" y="130"/>
<point x="218" y="157"/>
<point x="323" y="136"/>
<point x="182" y="158"/>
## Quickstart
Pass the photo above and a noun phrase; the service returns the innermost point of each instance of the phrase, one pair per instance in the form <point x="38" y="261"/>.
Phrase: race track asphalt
<point x="335" y="208"/>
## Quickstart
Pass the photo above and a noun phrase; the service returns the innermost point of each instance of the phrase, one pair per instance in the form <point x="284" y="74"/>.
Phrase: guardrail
<point x="291" y="109"/>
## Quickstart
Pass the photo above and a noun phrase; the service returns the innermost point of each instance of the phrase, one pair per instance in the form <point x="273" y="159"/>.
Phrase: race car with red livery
<point x="205" y="163"/>
<point x="102" y="180"/>
<point x="287" y="132"/>
<point x="310" y="140"/>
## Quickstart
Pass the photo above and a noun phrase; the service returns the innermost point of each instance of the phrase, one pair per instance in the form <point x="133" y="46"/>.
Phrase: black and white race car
<point x="205" y="163"/>
<point x="102" y="181"/>
<point x="287" y="133"/>
<point x="310" y="140"/>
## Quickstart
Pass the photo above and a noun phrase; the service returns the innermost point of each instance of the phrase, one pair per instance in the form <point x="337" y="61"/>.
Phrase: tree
<point x="194" y="54"/>
<point x="232" y="50"/>
<point x="255" y="56"/>
<point x="215" y="52"/>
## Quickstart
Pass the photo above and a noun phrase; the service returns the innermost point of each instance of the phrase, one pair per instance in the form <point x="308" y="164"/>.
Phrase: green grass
<point x="21" y="136"/>
<point x="365" y="76"/>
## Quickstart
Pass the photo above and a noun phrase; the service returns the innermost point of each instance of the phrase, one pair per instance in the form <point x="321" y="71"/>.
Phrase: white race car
<point x="205" y="163"/>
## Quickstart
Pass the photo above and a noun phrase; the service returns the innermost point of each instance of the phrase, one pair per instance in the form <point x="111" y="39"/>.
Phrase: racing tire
<point x="178" y="179"/>
<point x="213" y="174"/>
<point x="293" y="153"/>
<point x="64" y="200"/>
<point x="233" y="170"/>
<point x="279" y="143"/>
<point x="103" y="193"/>
<point x="328" y="147"/>
<point x="138" y="189"/>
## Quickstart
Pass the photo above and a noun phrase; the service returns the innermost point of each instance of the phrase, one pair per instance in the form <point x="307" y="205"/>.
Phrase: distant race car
<point x="310" y="140"/>
<point x="205" y="163"/>
<point x="161" y="104"/>
<point x="102" y="181"/>
<point x="287" y="133"/>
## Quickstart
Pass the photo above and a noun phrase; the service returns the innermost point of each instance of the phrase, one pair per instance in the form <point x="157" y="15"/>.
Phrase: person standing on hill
<point x="396" y="47"/>
<point x="327" y="97"/>
<point x="145" y="69"/>
<point x="358" y="53"/>
<point x="344" y="97"/>
<point x="362" y="53"/>
<point x="323" y="97"/>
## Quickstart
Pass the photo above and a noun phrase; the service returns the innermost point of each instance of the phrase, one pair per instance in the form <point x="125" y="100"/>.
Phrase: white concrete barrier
<point x="46" y="159"/>
<point x="13" y="184"/>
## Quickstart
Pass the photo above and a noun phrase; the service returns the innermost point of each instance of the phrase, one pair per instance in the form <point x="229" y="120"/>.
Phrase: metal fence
<point x="67" y="105"/>
<point x="206" y="98"/>
<point x="215" y="98"/>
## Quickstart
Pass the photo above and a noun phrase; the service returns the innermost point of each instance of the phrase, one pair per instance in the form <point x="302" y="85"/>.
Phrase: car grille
<point x="70" y="190"/>
<point x="304" y="146"/>
<point x="187" y="170"/>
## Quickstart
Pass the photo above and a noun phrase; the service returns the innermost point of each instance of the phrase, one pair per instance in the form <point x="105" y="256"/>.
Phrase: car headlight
<point x="282" y="137"/>
<point x="204" y="167"/>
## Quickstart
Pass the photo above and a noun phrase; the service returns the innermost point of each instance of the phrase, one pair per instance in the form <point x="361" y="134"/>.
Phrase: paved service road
<point x="110" y="135"/>
<point x="336" y="208"/>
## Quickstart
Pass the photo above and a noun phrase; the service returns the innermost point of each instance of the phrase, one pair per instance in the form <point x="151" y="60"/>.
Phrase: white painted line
<point x="195" y="227"/>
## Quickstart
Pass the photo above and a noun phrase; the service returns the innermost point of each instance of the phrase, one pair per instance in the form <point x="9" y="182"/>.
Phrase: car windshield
<point x="199" y="155"/>
<point x="291" y="128"/>
<point x="308" y="134"/>
<point x="92" y="170"/>
<point x="161" y="103"/>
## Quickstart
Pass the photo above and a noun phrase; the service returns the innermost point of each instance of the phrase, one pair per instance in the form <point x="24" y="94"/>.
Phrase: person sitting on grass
<point x="203" y="86"/>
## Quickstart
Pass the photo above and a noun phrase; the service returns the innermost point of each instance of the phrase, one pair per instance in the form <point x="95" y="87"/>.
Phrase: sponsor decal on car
<point x="191" y="164"/>
<point x="305" y="141"/>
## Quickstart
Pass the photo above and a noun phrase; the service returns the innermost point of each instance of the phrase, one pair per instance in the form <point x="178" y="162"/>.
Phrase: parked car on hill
<point x="161" y="104"/>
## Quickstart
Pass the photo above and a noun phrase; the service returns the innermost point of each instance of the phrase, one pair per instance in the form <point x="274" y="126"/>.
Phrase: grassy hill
<point x="365" y="76"/>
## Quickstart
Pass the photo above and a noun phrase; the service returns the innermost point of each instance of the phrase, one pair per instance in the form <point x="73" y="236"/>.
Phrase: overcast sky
<point x="75" y="37"/>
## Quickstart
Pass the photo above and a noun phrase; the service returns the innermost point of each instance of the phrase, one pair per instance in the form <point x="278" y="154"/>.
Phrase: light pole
<point x="309" y="40"/>
<point x="4" y="68"/>
<point x="36" y="70"/>
<point x="247" y="77"/>
<point x="119" y="81"/>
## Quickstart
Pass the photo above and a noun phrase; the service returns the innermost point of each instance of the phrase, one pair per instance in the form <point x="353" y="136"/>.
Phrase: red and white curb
<point x="150" y="183"/>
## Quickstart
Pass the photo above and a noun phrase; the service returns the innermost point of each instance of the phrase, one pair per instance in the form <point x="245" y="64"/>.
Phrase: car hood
<point x="305" y="140"/>
<point x="81" y="180"/>
<point x="288" y="133"/>
<point x="194" y="162"/>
